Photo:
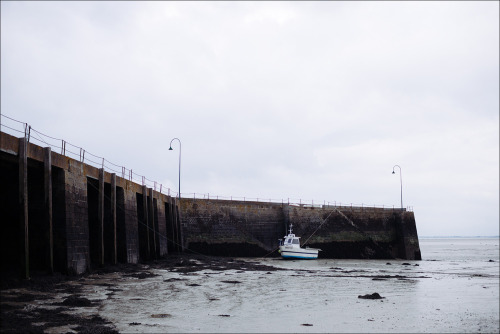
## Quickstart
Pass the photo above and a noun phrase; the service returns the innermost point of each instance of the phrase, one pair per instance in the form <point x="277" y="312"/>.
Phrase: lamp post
<point x="180" y="149"/>
<point x="400" y="182"/>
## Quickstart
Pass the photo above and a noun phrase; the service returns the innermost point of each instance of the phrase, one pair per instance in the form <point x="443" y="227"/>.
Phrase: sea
<point x="453" y="289"/>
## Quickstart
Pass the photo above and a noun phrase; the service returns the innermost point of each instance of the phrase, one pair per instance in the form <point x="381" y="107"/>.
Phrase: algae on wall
<point x="361" y="232"/>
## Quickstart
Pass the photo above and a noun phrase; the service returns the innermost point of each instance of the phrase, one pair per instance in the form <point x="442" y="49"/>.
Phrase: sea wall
<point x="244" y="228"/>
<point x="231" y="228"/>
<point x="61" y="214"/>
<point x="357" y="232"/>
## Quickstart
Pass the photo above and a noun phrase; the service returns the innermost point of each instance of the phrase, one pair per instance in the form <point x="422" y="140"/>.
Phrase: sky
<point x="310" y="102"/>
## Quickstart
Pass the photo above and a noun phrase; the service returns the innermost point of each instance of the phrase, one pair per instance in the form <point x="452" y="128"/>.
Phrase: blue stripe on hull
<point x="299" y="257"/>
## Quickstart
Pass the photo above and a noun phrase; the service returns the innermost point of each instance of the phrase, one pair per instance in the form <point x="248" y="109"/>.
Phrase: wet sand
<point x="58" y="303"/>
<point x="213" y="294"/>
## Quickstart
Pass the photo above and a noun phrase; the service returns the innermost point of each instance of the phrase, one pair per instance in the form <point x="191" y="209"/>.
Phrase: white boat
<point x="290" y="248"/>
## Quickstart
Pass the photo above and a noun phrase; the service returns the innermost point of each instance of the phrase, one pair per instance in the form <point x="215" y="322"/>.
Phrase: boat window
<point x="296" y="241"/>
<point x="289" y="241"/>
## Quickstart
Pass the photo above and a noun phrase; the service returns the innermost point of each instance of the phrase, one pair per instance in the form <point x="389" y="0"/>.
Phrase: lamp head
<point x="392" y="170"/>
<point x="171" y="149"/>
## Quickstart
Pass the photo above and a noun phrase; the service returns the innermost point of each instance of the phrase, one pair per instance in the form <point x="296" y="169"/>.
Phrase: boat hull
<point x="299" y="253"/>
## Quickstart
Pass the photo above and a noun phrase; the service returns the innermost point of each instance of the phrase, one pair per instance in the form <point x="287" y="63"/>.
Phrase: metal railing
<point x="22" y="129"/>
<point x="65" y="148"/>
<point x="294" y="202"/>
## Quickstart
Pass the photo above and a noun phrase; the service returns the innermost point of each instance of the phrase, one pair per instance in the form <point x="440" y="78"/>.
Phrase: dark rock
<point x="142" y="275"/>
<point x="161" y="315"/>
<point x="173" y="279"/>
<point x="182" y="263"/>
<point x="23" y="298"/>
<point x="76" y="301"/>
<point x="372" y="296"/>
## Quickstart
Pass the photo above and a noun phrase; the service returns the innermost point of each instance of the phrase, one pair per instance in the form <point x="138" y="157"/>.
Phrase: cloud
<point x="308" y="100"/>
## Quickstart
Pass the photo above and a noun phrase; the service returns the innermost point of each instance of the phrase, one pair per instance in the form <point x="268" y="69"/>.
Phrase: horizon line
<point x="459" y="236"/>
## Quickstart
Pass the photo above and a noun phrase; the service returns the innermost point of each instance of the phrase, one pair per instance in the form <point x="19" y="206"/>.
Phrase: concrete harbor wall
<point x="254" y="228"/>
<point x="61" y="214"/>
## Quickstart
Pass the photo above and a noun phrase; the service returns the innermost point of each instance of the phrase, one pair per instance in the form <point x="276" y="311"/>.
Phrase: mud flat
<point x="209" y="294"/>
<point x="58" y="303"/>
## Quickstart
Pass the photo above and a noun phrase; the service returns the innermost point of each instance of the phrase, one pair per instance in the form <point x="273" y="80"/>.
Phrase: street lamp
<point x="400" y="181"/>
<point x="180" y="149"/>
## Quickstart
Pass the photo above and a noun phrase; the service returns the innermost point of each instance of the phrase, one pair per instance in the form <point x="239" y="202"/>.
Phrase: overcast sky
<point x="282" y="100"/>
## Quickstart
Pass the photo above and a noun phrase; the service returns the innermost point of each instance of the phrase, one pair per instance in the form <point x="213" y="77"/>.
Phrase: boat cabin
<point x="290" y="239"/>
